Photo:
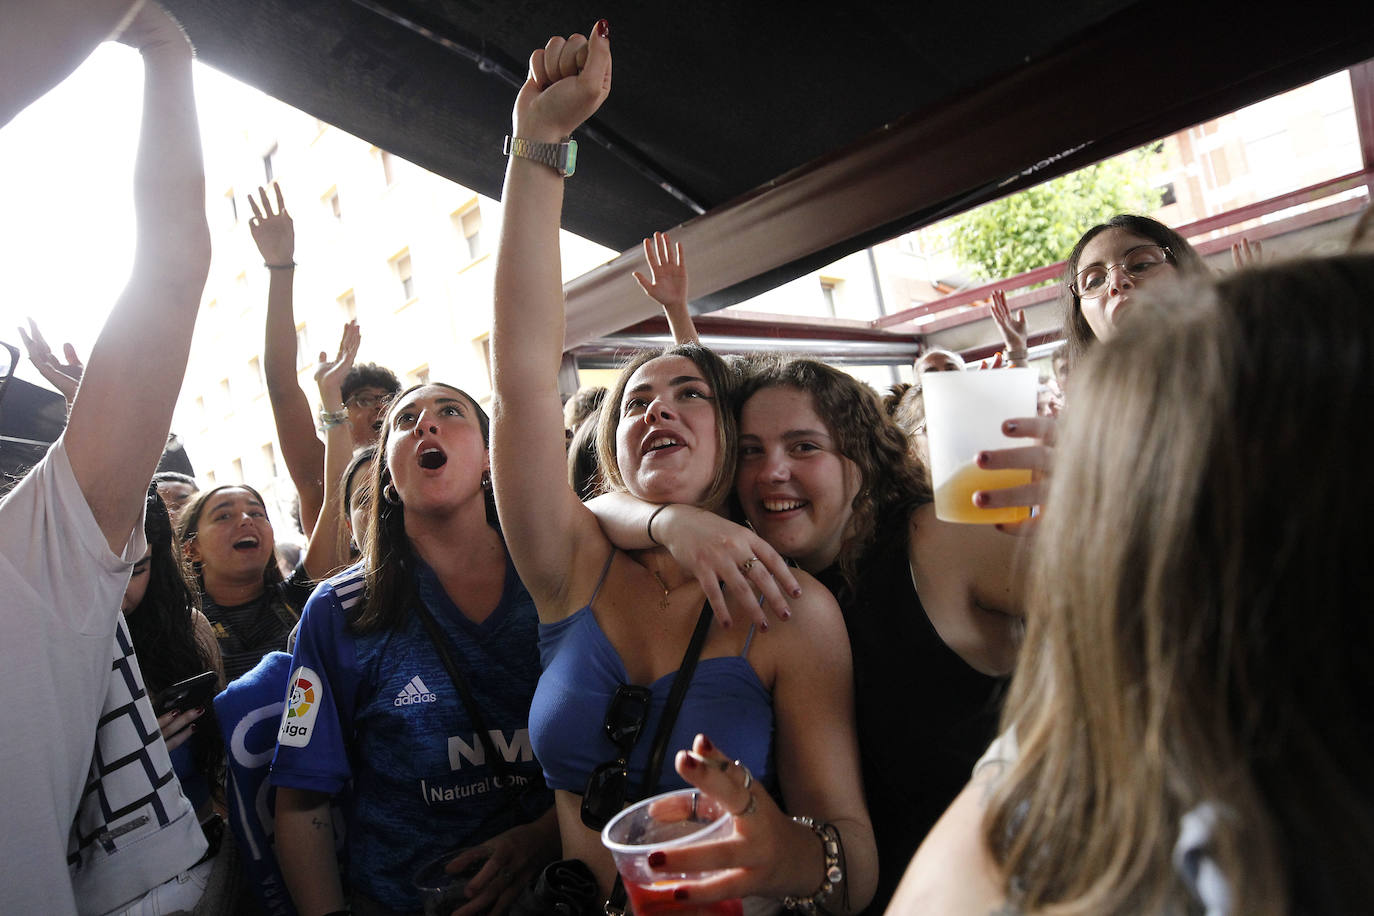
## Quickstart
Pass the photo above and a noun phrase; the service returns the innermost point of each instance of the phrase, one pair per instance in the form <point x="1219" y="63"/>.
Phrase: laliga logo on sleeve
<point x="298" y="721"/>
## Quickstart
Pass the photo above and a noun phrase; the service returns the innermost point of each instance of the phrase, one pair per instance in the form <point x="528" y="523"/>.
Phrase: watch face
<point x="571" y="159"/>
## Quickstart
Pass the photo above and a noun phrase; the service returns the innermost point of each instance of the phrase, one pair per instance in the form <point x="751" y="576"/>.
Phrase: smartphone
<point x="188" y="694"/>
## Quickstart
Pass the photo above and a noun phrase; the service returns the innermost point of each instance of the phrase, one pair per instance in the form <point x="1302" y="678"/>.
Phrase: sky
<point x="66" y="236"/>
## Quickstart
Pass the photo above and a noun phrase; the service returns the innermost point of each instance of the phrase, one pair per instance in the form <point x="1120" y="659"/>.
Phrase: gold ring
<point x="748" y="776"/>
<point x="748" y="565"/>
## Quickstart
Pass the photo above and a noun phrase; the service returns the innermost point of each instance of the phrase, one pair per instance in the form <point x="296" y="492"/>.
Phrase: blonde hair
<point x="1199" y="623"/>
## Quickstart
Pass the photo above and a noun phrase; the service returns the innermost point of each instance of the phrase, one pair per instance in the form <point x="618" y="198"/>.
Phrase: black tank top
<point x="924" y="716"/>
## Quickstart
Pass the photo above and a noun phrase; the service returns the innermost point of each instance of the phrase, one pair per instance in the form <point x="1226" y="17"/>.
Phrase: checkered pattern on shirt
<point x="131" y="779"/>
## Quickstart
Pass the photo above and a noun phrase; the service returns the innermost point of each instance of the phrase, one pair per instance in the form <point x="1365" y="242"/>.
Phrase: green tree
<point x="1040" y="225"/>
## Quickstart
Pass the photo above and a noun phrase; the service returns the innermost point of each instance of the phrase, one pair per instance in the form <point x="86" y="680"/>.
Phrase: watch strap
<point x="561" y="157"/>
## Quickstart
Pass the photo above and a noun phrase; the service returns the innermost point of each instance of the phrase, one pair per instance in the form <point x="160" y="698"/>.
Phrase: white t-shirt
<point x="60" y="593"/>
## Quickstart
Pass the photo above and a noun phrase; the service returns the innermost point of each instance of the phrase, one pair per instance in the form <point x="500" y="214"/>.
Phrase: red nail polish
<point x="1010" y="426"/>
<point x="680" y="893"/>
<point x="603" y="28"/>
<point x="982" y="458"/>
<point x="657" y="859"/>
<point x="689" y="762"/>
<point x="706" y="744"/>
<point x="980" y="499"/>
<point x="763" y="625"/>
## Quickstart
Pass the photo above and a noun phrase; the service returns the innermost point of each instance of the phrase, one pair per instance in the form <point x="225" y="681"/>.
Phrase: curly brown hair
<point x="891" y="484"/>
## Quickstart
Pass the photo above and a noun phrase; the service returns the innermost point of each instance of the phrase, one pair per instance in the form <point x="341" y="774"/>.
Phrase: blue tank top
<point x="726" y="701"/>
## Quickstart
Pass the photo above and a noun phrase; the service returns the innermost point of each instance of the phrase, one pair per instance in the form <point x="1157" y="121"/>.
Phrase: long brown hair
<point x="1199" y="625"/>
<point x="188" y="525"/>
<point x="722" y="383"/>
<point x="891" y="485"/>
<point x="388" y="558"/>
<point x="1077" y="333"/>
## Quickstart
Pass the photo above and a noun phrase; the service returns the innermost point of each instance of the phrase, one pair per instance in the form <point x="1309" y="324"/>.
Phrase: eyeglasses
<point x="368" y="401"/>
<point x="609" y="783"/>
<point x="1091" y="282"/>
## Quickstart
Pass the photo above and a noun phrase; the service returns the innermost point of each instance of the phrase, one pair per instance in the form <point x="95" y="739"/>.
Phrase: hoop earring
<point x="390" y="495"/>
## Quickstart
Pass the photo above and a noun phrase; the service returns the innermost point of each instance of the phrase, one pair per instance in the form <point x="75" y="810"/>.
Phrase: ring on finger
<point x="748" y="565"/>
<point x="748" y="776"/>
<point x="749" y="808"/>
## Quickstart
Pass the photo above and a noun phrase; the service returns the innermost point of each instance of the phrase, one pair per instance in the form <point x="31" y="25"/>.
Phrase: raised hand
<point x="65" y="377"/>
<point x="329" y="374"/>
<point x="154" y="31"/>
<point x="667" y="284"/>
<point x="274" y="233"/>
<point x="1246" y="253"/>
<point x="567" y="82"/>
<point x="1013" y="328"/>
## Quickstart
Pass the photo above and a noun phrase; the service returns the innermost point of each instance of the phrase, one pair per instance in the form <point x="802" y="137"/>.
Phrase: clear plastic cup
<point x="442" y="892"/>
<point x="666" y="822"/>
<point x="964" y="415"/>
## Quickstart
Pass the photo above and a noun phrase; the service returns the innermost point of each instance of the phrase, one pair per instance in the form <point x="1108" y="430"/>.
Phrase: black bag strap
<point x="495" y="759"/>
<point x="676" y="693"/>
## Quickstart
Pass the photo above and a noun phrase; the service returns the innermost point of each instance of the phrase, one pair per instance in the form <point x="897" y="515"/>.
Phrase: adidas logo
<point x="415" y="692"/>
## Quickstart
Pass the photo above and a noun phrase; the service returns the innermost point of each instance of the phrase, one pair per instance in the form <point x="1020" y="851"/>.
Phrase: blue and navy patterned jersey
<point x="381" y="712"/>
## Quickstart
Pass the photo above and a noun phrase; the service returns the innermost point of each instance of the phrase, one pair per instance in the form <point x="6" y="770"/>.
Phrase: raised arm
<point x="1013" y="330"/>
<point x="275" y="235"/>
<point x="666" y="284"/>
<point x="544" y="523"/>
<point x="328" y="548"/>
<point x="42" y="41"/>
<point x="118" y="428"/>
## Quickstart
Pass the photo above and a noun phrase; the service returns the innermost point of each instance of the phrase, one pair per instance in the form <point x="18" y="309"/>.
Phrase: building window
<point x="255" y="373"/>
<point x="401" y="265"/>
<point x="1167" y="195"/>
<point x="200" y="411"/>
<point x="226" y="395"/>
<point x="420" y="376"/>
<point x="269" y="460"/>
<point x="348" y="304"/>
<point x="238" y="470"/>
<point x="388" y="168"/>
<point x="268" y="165"/>
<point x="210" y="479"/>
<point x="469" y="226"/>
<point x="829" y="294"/>
<point x="233" y="207"/>
<point x="331" y="201"/>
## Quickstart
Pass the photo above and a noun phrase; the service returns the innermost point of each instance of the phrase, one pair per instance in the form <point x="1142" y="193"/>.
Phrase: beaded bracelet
<point x="332" y="418"/>
<point x="834" y="872"/>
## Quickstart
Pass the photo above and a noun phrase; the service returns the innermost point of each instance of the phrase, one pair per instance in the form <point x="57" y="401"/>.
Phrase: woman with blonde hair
<point x="1187" y="730"/>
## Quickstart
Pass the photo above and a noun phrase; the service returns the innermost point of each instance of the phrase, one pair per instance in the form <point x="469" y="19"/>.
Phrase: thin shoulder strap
<point x="747" y="640"/>
<point x="605" y="569"/>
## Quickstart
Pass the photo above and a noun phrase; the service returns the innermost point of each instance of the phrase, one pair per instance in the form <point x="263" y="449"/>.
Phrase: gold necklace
<point x="662" y="602"/>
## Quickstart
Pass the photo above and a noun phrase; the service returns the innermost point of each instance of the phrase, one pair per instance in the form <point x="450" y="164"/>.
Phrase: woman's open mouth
<point x="247" y="543"/>
<point x="432" y="459"/>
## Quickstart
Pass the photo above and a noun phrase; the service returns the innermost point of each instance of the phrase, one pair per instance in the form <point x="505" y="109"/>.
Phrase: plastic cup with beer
<point x="663" y="823"/>
<point x="964" y="415"/>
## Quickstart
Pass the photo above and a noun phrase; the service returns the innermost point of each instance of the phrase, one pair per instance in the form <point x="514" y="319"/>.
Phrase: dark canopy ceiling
<point x="716" y="100"/>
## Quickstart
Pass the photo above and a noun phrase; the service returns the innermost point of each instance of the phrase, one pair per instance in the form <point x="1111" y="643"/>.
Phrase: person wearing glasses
<point x="366" y="389"/>
<point x="777" y="698"/>
<point x="1106" y="273"/>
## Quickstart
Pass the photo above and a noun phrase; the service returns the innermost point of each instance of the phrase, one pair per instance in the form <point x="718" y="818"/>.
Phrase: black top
<point x="247" y="632"/>
<point x="924" y="716"/>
